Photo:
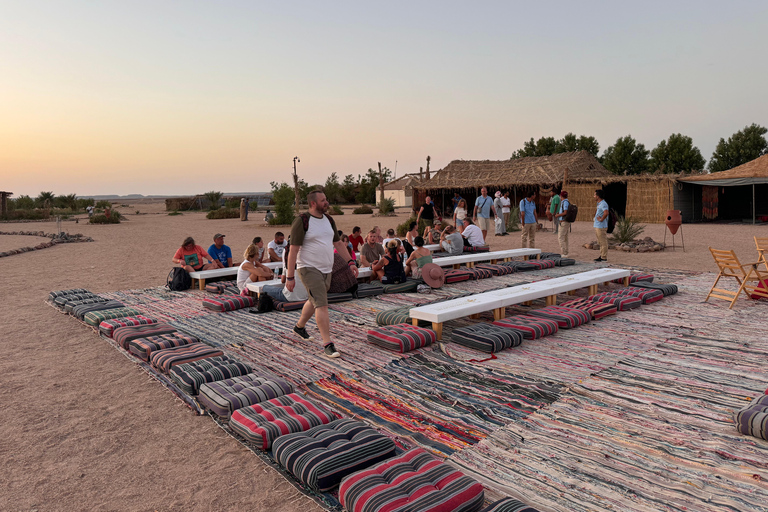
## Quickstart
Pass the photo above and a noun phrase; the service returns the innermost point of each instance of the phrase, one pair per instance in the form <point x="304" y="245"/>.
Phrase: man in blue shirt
<point x="219" y="251"/>
<point x="601" y="224"/>
<point x="455" y="201"/>
<point x="528" y="219"/>
<point x="482" y="213"/>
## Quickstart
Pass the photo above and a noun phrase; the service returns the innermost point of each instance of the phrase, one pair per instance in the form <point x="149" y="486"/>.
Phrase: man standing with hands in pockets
<point x="528" y="219"/>
<point x="313" y="260"/>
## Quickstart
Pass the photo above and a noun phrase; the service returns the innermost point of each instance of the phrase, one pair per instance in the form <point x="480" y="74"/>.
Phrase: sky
<point x="182" y="97"/>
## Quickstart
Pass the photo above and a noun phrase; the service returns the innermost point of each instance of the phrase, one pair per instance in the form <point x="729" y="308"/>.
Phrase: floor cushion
<point x="321" y="456"/>
<point x="407" y="286"/>
<point x="401" y="337"/>
<point x="508" y="505"/>
<point x="288" y="306"/>
<point x="549" y="255"/>
<point x="487" y="338"/>
<point x="457" y="275"/>
<point x="70" y="305"/>
<point x="144" y="347"/>
<point x="541" y="264"/>
<point x="59" y="293"/>
<point x="369" y="289"/>
<point x="622" y="302"/>
<point x="80" y="311"/>
<point x="166" y="359"/>
<point x="264" y="422"/>
<point x="519" y="266"/>
<point x="399" y="315"/>
<point x="219" y="286"/>
<point x="634" y="278"/>
<point x="107" y="327"/>
<point x="413" y="481"/>
<point x="480" y="248"/>
<point x="94" y="318"/>
<point x="479" y="273"/>
<point x="497" y="270"/>
<point x="190" y="376"/>
<point x="226" y="396"/>
<point x="566" y="318"/>
<point x="228" y="302"/>
<point x="666" y="289"/>
<point x="62" y="300"/>
<point x="753" y="419"/>
<point x="597" y="310"/>
<point x="124" y="335"/>
<point x="644" y="294"/>
<point x="562" y="262"/>
<point x="533" y="327"/>
<point x="335" y="298"/>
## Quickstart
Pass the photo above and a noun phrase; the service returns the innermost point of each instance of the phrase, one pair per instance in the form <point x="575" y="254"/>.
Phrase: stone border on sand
<point x="61" y="238"/>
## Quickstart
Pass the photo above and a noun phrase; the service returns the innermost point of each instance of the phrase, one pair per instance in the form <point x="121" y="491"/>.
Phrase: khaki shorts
<point x="485" y="224"/>
<point x="317" y="285"/>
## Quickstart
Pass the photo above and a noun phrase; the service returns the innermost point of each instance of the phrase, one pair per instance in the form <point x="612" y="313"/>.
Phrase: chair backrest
<point x="727" y="262"/>
<point x="762" y="249"/>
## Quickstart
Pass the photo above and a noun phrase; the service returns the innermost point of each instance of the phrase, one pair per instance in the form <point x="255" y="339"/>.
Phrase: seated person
<point x="377" y="230"/>
<point x="410" y="235"/>
<point x="251" y="270"/>
<point x="451" y="241"/>
<point x="219" y="251"/>
<point x="418" y="258"/>
<point x="258" y="242"/>
<point x="345" y="239"/>
<point x="472" y="234"/>
<point x="390" y="236"/>
<point x="432" y="233"/>
<point x="356" y="239"/>
<point x="190" y="256"/>
<point x="389" y="269"/>
<point x="343" y="280"/>
<point x="276" y="247"/>
<point x="282" y="293"/>
<point x="371" y="251"/>
<point x="268" y="217"/>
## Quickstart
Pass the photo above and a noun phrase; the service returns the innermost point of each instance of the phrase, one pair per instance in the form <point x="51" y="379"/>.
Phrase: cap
<point x="218" y="235"/>
<point x="498" y="193"/>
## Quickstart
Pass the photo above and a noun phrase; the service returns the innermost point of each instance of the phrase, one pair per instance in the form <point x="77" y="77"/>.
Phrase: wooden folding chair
<point x="748" y="280"/>
<point x="762" y="248"/>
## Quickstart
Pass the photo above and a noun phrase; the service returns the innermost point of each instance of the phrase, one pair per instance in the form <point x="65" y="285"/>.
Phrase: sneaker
<point x="597" y="260"/>
<point x="330" y="351"/>
<point x="302" y="331"/>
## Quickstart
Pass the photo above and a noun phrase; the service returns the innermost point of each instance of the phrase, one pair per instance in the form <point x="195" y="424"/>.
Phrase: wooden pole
<point x="296" y="185"/>
<point x="428" y="159"/>
<point x="381" y="186"/>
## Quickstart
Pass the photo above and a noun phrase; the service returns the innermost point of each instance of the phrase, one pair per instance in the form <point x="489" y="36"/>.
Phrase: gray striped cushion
<point x="59" y="293"/>
<point x="509" y="505"/>
<point x="323" y="455"/>
<point x="487" y="338"/>
<point x="70" y="305"/>
<point x="226" y="396"/>
<point x="753" y="419"/>
<point x="190" y="376"/>
<point x="82" y="310"/>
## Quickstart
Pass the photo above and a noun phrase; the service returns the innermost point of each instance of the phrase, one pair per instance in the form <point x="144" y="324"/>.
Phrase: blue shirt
<point x="455" y="202"/>
<point x="529" y="209"/>
<point x="220" y="254"/>
<point x="484" y="206"/>
<point x="602" y="207"/>
<point x="563" y="208"/>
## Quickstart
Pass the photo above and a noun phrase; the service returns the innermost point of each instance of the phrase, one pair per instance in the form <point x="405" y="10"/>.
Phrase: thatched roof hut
<point x="753" y="172"/>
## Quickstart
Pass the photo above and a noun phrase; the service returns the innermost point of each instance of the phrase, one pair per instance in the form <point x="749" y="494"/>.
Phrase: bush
<point x="364" y="209"/>
<point x="283" y="196"/>
<point x="386" y="205"/>
<point x="214" y="198"/>
<point x="232" y="202"/>
<point x="103" y="204"/>
<point x="335" y="210"/>
<point x="626" y="230"/>
<point x="114" y="218"/>
<point x="513" y="224"/>
<point x="224" y="213"/>
<point x="22" y="203"/>
<point x="175" y="212"/>
<point x="27" y="215"/>
<point x="402" y="229"/>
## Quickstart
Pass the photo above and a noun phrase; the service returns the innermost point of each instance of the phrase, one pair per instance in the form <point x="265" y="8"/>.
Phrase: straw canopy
<point x="753" y="172"/>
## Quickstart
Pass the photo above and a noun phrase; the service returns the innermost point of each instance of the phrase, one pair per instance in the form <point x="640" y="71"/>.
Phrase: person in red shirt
<point x="356" y="239"/>
<point x="191" y="257"/>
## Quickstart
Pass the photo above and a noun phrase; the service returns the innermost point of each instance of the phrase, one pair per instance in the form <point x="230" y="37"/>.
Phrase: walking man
<point x="314" y="263"/>
<point x="528" y="220"/>
<point x="601" y="224"/>
<point x="482" y="213"/>
<point x="554" y="208"/>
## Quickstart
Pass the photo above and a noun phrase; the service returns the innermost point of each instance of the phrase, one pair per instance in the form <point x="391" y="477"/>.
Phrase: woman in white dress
<point x="459" y="214"/>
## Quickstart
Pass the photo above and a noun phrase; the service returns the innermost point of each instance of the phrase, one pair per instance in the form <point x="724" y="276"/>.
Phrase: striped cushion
<point x="189" y="377"/>
<point x="509" y="505"/>
<point x="323" y="455"/>
<point x="479" y="273"/>
<point x="519" y="266"/>
<point x="94" y="318"/>
<point x="487" y="338"/>
<point x="596" y="309"/>
<point x="541" y="264"/>
<point x="219" y="287"/>
<point x="457" y="275"/>
<point x="480" y="248"/>
<point x="564" y="262"/>
<point x="666" y="289"/>
<point x="70" y="305"/>
<point x="226" y="396"/>
<point x="262" y="423"/>
<point x="369" y="289"/>
<point x="644" y="294"/>
<point x="409" y="286"/>
<point x="401" y="337"/>
<point x="107" y="327"/>
<point x="228" y="302"/>
<point x="167" y="358"/>
<point x="549" y="255"/>
<point x="288" y="306"/>
<point x="413" y="481"/>
<point x="80" y="311"/>
<point x="753" y="419"/>
<point x="498" y="270"/>
<point x="398" y="316"/>
<point x="566" y="318"/>
<point x="59" y="293"/>
<point x="533" y="327"/>
<point x="124" y="335"/>
<point x="335" y="298"/>
<point x="62" y="300"/>
<point x="634" y="278"/>
<point x="144" y="347"/>
<point x="622" y="302"/>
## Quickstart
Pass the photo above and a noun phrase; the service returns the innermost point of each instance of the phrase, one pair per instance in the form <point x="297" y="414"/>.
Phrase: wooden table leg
<point x="592" y="289"/>
<point x="525" y="258"/>
<point x="571" y="292"/>
<point x="528" y="303"/>
<point x="415" y="322"/>
<point x="475" y="316"/>
<point x="552" y="300"/>
<point x="626" y="281"/>
<point x="438" y="328"/>
<point x="456" y="266"/>
<point x="499" y="314"/>
<point x="493" y="262"/>
<point x="202" y="283"/>
<point x="507" y="260"/>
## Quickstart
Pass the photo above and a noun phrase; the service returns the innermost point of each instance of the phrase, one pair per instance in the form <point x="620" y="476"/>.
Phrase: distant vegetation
<point x="48" y="205"/>
<point x="113" y="218"/>
<point x="224" y="213"/>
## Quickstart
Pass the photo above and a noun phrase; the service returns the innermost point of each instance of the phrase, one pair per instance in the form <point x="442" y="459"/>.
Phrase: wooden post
<point x="296" y="185"/>
<point x="4" y="203"/>
<point x="428" y="159"/>
<point x="381" y="186"/>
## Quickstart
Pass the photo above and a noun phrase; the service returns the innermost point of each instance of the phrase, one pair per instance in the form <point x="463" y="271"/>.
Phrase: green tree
<point x="214" y="198"/>
<point x="740" y="148"/>
<point x="675" y="155"/>
<point x="626" y="156"/>
<point x="283" y="196"/>
<point x="24" y="202"/>
<point x="348" y="188"/>
<point x="44" y="199"/>
<point x="546" y="146"/>
<point x="332" y="188"/>
<point x="369" y="183"/>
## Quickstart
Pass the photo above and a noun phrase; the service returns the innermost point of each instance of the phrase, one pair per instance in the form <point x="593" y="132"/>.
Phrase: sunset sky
<point x="188" y="96"/>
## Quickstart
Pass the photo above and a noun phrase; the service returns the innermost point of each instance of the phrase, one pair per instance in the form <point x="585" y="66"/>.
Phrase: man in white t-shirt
<point x="276" y="247"/>
<point x="312" y="255"/>
<point x="472" y="233"/>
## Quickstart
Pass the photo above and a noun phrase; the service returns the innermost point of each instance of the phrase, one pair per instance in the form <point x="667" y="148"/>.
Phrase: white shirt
<point x="384" y="243"/>
<point x="243" y="277"/>
<point x="474" y="235"/>
<point x="277" y="248"/>
<point x="461" y="213"/>
<point x="317" y="249"/>
<point x="505" y="204"/>
<point x="299" y="292"/>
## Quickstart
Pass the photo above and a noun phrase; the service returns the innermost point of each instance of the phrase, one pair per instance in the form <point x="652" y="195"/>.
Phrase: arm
<point x="363" y="260"/>
<point x="474" y="212"/>
<point x="290" y="270"/>
<point x="522" y="214"/>
<point x="419" y="215"/>
<point x="379" y="265"/>
<point x="273" y="255"/>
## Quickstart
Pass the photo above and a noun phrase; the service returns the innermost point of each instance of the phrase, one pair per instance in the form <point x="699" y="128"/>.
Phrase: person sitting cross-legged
<point x="390" y="267"/>
<point x="473" y="234"/>
<point x="191" y="257"/>
<point x="418" y="258"/>
<point x="251" y="270"/>
<point x="282" y="293"/>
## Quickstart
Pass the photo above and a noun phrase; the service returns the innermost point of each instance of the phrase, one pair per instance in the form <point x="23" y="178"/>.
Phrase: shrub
<point x="626" y="230"/>
<point x="232" y="202"/>
<point x="386" y="205"/>
<point x="22" y="203"/>
<point x="114" y="218"/>
<point x="103" y="204"/>
<point x="82" y="204"/>
<point x="224" y="213"/>
<point x="175" y="212"/>
<point x="402" y="229"/>
<point x="335" y="210"/>
<point x="513" y="223"/>
<point x="283" y="196"/>
<point x="214" y="198"/>
<point x="27" y="215"/>
<point x="364" y="209"/>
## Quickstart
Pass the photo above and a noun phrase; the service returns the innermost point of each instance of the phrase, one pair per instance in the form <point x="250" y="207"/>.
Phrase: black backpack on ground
<point x="178" y="280"/>
<point x="612" y="219"/>
<point x="571" y="212"/>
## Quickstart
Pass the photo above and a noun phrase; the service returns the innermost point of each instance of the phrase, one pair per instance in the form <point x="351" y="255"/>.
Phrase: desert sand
<point x="84" y="429"/>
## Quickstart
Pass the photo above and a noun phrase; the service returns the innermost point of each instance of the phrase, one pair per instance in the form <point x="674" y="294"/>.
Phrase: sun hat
<point x="498" y="193"/>
<point x="433" y="275"/>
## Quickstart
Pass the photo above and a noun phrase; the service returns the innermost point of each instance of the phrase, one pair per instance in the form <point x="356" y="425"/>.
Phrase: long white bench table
<point x="256" y="287"/>
<point x="201" y="275"/>
<point x="471" y="257"/>
<point x="498" y="300"/>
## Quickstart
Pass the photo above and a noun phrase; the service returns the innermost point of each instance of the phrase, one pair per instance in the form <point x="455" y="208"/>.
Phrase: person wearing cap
<point x="192" y="257"/>
<point x="220" y="252"/>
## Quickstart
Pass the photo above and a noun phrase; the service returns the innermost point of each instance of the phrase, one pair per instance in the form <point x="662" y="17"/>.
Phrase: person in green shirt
<point x="554" y="209"/>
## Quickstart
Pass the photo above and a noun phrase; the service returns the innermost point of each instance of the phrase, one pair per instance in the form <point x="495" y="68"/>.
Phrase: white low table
<point x="201" y="275"/>
<point x="471" y="257"/>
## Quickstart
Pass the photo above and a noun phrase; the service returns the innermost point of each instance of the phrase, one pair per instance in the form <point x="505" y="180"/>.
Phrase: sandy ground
<point x="82" y="428"/>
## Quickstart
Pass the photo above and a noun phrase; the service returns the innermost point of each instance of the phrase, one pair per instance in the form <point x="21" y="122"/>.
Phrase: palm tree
<point x="44" y="199"/>
<point x="214" y="198"/>
<point x="71" y="200"/>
